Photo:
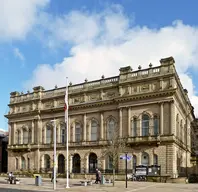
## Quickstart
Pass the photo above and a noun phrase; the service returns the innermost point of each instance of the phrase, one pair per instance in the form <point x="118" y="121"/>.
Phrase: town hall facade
<point x="149" y="107"/>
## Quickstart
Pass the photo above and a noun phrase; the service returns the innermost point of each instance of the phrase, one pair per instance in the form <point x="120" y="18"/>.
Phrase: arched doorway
<point x="93" y="162"/>
<point x="61" y="164"/>
<point x="145" y="159"/>
<point x="76" y="163"/>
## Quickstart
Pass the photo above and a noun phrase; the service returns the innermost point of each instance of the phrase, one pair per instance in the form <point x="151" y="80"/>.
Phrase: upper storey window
<point x="145" y="125"/>
<point x="78" y="132"/>
<point x="94" y="130"/>
<point x="111" y="128"/>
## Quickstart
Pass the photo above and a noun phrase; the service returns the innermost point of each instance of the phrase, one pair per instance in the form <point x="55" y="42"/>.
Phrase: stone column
<point x="13" y="133"/>
<point x="32" y="131"/>
<point x="129" y="121"/>
<point x="161" y="84"/>
<point x="101" y="126"/>
<point x="161" y="118"/>
<point x="120" y="115"/>
<point x="151" y="158"/>
<point x="139" y="158"/>
<point x="39" y="131"/>
<point x="69" y="130"/>
<point x="86" y="167"/>
<point x="59" y="134"/>
<point x="84" y="127"/>
<point x="37" y="161"/>
<point x="140" y="126"/>
<point x="73" y="132"/>
<point x="70" y="164"/>
<point x="172" y="117"/>
<point x="21" y="137"/>
<point x="103" y="164"/>
<point x="10" y="133"/>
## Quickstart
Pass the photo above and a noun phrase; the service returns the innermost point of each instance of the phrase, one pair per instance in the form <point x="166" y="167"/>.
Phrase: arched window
<point x="155" y="159"/>
<point x="134" y="127"/>
<point x="181" y="130"/>
<point x="156" y="125"/>
<point x="110" y="162"/>
<point x="25" y="136"/>
<point x="46" y="161"/>
<point x="63" y="133"/>
<point x="48" y="134"/>
<point x="134" y="161"/>
<point x="17" y="164"/>
<point x="28" y="166"/>
<point x="145" y="159"/>
<point x="78" y="132"/>
<point x="23" y="163"/>
<point x="19" y="137"/>
<point x="94" y="130"/>
<point x="110" y="129"/>
<point x="177" y="125"/>
<point x="145" y="125"/>
<point x="30" y="136"/>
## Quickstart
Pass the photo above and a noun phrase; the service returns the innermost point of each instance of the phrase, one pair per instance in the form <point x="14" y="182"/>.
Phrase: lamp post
<point x="126" y="167"/>
<point x="54" y="181"/>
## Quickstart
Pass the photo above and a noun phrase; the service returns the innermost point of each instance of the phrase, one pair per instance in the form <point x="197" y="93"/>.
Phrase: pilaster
<point x="10" y="133"/>
<point x="129" y="121"/>
<point x="84" y="127"/>
<point x="101" y="126"/>
<point x="161" y="118"/>
<point x="120" y="116"/>
<point x="33" y="131"/>
<point x="69" y="130"/>
<point x="172" y="118"/>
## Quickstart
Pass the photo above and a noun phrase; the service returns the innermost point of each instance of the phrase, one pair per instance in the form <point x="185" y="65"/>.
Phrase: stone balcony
<point x="139" y="140"/>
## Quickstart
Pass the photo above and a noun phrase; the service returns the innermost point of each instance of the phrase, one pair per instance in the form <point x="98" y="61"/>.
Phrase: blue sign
<point x="124" y="157"/>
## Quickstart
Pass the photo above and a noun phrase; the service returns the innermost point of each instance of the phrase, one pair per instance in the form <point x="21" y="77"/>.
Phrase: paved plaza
<point x="27" y="184"/>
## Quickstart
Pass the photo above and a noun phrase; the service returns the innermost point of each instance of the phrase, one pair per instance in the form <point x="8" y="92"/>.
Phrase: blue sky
<point x="43" y="41"/>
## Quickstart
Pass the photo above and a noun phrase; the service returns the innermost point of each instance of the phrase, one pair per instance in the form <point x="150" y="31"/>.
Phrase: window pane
<point x="145" y="125"/>
<point x="93" y="131"/>
<point x="134" y="127"/>
<point x="111" y="128"/>
<point x="110" y="162"/>
<point x="48" y="135"/>
<point x="156" y="125"/>
<point x="78" y="132"/>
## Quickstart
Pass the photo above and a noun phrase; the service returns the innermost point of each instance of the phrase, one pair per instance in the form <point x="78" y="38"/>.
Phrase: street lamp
<point x="126" y="167"/>
<point x="54" y="181"/>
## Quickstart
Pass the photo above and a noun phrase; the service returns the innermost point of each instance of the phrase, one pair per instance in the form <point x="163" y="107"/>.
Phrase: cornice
<point x="28" y="113"/>
<point x="99" y="103"/>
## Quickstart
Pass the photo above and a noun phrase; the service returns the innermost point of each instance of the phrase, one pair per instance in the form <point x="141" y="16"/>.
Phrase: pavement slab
<point x="28" y="185"/>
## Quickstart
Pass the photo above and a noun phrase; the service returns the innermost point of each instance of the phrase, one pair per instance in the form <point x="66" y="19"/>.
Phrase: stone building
<point x="3" y="151"/>
<point x="148" y="106"/>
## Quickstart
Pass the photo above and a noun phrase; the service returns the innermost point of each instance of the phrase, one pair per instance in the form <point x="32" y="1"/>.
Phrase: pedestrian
<point x="97" y="177"/>
<point x="52" y="177"/>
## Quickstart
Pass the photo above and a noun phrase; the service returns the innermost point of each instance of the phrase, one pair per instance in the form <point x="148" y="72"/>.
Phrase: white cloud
<point x="103" y="42"/>
<point x="18" y="54"/>
<point x="18" y="17"/>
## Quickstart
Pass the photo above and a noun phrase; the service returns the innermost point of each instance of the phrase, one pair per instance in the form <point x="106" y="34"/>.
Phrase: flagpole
<point x="67" y="150"/>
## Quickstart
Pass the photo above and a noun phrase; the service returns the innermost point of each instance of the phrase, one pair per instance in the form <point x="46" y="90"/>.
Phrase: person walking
<point x="97" y="177"/>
